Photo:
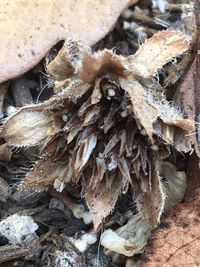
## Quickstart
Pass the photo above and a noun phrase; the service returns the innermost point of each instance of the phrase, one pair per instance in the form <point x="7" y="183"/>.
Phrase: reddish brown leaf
<point x="177" y="241"/>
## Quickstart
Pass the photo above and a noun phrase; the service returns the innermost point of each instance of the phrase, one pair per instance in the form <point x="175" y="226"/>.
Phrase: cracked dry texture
<point x="177" y="242"/>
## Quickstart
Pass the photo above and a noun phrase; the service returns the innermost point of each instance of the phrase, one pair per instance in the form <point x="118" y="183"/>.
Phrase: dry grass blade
<point x="145" y="113"/>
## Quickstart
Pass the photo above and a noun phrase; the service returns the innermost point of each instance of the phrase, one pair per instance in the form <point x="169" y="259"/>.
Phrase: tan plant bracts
<point x="102" y="129"/>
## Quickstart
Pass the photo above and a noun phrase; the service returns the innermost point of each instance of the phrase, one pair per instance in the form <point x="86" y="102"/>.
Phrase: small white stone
<point x="15" y="228"/>
<point x="143" y="132"/>
<point x="161" y="5"/>
<point x="84" y="241"/>
<point x="65" y="258"/>
<point x="78" y="211"/>
<point x="81" y="245"/>
<point x="127" y="14"/>
<point x="126" y="25"/>
<point x="90" y="238"/>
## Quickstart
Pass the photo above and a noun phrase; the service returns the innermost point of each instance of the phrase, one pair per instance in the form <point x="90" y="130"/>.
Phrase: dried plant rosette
<point x="108" y="129"/>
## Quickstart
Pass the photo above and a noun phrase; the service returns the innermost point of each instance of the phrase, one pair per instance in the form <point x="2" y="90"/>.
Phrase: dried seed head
<point x="106" y="145"/>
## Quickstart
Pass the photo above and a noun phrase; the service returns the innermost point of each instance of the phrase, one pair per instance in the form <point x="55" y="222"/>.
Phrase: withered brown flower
<point x="108" y="129"/>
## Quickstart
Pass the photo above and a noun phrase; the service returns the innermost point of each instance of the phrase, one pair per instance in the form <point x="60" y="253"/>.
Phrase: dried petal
<point x="101" y="168"/>
<point x="151" y="204"/>
<point x="61" y="67"/>
<point x="147" y="110"/>
<point x="96" y="93"/>
<point x="81" y="156"/>
<point x="158" y="51"/>
<point x="124" y="169"/>
<point x="101" y="204"/>
<point x="28" y="127"/>
<point x="144" y="112"/>
<point x="43" y="175"/>
<point x="92" y="66"/>
<point x="109" y="146"/>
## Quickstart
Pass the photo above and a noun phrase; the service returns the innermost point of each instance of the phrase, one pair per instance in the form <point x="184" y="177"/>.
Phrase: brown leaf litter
<point x="29" y="29"/>
<point x="177" y="242"/>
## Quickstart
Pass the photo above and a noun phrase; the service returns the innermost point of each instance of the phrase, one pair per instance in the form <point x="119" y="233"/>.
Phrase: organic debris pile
<point x="95" y="141"/>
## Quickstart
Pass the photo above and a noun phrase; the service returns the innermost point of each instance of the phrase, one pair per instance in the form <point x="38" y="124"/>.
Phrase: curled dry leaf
<point x="176" y="242"/>
<point x="157" y="51"/>
<point x="148" y="109"/>
<point x="44" y="174"/>
<point x="41" y="117"/>
<point x="85" y="64"/>
<point x="23" y="45"/>
<point x="26" y="132"/>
